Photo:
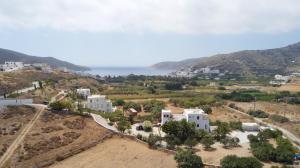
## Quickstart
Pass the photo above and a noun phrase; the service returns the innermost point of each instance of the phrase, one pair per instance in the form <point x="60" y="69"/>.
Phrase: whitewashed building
<point x="11" y="66"/>
<point x="83" y="92"/>
<point x="280" y="80"/>
<point x="197" y="116"/>
<point x="44" y="67"/>
<point x="99" y="103"/>
<point x="250" y="126"/>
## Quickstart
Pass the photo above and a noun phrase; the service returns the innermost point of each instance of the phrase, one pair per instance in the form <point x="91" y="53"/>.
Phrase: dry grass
<point x="223" y="114"/>
<point x="290" y="111"/>
<point x="12" y="120"/>
<point x="42" y="146"/>
<point x="119" y="152"/>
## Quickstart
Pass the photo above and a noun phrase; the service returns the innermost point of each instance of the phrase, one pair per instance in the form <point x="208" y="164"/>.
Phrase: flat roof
<point x="96" y="96"/>
<point x="250" y="124"/>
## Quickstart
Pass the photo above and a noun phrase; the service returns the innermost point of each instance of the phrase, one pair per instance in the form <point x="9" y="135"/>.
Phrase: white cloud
<point x="175" y="16"/>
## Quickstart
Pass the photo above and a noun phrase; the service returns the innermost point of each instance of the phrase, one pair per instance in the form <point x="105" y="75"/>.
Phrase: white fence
<point x="15" y="102"/>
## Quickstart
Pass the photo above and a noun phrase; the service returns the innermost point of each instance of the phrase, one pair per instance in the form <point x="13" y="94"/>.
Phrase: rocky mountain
<point x="9" y="55"/>
<point x="259" y="62"/>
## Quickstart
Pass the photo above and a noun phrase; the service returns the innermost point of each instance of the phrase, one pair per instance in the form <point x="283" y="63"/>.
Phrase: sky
<point x="144" y="32"/>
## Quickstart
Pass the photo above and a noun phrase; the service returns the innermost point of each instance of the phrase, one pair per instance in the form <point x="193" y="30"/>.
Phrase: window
<point x="198" y="125"/>
<point x="205" y="126"/>
<point x="198" y="117"/>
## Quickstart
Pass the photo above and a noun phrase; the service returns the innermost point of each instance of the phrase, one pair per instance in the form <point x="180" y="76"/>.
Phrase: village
<point x="203" y="119"/>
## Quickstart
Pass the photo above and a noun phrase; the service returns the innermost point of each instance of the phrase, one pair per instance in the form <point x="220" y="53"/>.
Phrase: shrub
<point x="154" y="106"/>
<point x="278" y="118"/>
<point x="152" y="139"/>
<point x="173" y="86"/>
<point x="139" y="136"/>
<point x="232" y="105"/>
<point x="60" y="105"/>
<point x="147" y="126"/>
<point x="207" y="109"/>
<point x="230" y="142"/>
<point x="188" y="159"/>
<point x="263" y="152"/>
<point x="133" y="105"/>
<point x="232" y="161"/>
<point x="119" y="102"/>
<point x="258" y="114"/>
<point x="221" y="88"/>
<point x="235" y="125"/>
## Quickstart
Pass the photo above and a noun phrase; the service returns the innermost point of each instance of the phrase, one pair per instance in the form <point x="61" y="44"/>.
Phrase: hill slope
<point x="262" y="62"/>
<point x="9" y="55"/>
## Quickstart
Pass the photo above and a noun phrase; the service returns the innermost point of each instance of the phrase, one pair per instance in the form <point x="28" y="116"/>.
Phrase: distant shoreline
<point x="125" y="71"/>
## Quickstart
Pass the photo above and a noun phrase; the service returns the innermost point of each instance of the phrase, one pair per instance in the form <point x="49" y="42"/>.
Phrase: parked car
<point x="139" y="128"/>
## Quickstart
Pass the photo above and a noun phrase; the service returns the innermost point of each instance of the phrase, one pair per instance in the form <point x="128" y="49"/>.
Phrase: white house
<point x="280" y="80"/>
<point x="44" y="67"/>
<point x="99" y="103"/>
<point x="11" y="66"/>
<point x="83" y="92"/>
<point x="197" y="116"/>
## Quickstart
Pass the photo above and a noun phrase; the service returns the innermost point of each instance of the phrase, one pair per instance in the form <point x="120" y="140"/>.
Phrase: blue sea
<point x="124" y="71"/>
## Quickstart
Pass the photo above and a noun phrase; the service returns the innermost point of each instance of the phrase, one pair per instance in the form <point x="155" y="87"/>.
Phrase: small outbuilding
<point x="250" y="126"/>
<point x="132" y="111"/>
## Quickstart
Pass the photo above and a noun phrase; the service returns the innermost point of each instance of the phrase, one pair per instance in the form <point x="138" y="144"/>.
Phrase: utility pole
<point x="254" y="104"/>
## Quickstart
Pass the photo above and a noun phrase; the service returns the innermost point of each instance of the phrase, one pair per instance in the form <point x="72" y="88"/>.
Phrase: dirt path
<point x="9" y="152"/>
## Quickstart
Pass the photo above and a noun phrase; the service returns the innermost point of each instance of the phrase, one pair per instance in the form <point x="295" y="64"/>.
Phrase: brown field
<point x="290" y="111"/>
<point x="119" y="152"/>
<point x="214" y="156"/>
<point x="223" y="114"/>
<point x="55" y="137"/>
<point x="292" y="87"/>
<point x="12" y="120"/>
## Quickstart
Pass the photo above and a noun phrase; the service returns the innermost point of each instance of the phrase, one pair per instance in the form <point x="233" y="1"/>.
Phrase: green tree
<point x="60" y="105"/>
<point x="123" y="124"/>
<point x="133" y="105"/>
<point x="232" y="161"/>
<point x="152" y="140"/>
<point x="207" y="141"/>
<point x="263" y="152"/>
<point x="119" y="102"/>
<point x="191" y="142"/>
<point x="207" y="109"/>
<point x="222" y="130"/>
<point x="147" y="126"/>
<point x="179" y="129"/>
<point x="188" y="159"/>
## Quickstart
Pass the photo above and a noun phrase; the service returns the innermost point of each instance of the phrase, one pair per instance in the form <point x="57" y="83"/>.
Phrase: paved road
<point x="295" y="140"/>
<point x="11" y="149"/>
<point x="103" y="122"/>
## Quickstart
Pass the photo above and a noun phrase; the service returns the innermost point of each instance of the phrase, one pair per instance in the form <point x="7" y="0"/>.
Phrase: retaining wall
<point x="15" y="102"/>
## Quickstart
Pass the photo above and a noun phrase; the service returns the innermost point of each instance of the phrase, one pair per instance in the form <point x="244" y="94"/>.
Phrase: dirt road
<point x="6" y="156"/>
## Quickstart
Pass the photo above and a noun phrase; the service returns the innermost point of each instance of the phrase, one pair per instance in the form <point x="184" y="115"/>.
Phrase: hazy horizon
<point x="132" y="33"/>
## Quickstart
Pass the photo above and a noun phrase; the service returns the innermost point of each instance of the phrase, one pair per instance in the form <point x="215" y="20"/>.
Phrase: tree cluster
<point x="264" y="151"/>
<point x="233" y="161"/>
